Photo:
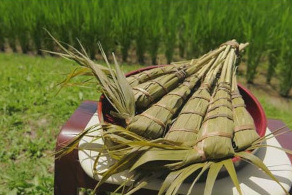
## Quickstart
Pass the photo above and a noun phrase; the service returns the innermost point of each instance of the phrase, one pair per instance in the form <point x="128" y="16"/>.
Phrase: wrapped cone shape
<point x="216" y="133"/>
<point x="153" y="122"/>
<point x="244" y="127"/>
<point x="186" y="127"/>
<point x="150" y="91"/>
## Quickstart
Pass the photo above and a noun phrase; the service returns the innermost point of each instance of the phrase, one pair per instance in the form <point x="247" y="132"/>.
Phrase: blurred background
<point x="140" y="33"/>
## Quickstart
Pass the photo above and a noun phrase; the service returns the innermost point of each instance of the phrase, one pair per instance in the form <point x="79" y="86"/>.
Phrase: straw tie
<point x="213" y="134"/>
<point x="147" y="74"/>
<point x="233" y="44"/>
<point x="179" y="95"/>
<point x="181" y="74"/>
<point x="201" y="153"/>
<point x="164" y="89"/>
<point x="159" y="122"/>
<point x="165" y="107"/>
<point x="201" y="97"/>
<point x="184" y="130"/>
<point x="244" y="127"/>
<point x="218" y="115"/>
<point x="144" y="92"/>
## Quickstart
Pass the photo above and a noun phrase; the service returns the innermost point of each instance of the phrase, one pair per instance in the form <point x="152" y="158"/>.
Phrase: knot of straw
<point x="233" y="44"/>
<point x="205" y="86"/>
<point x="144" y="92"/>
<point x="244" y="127"/>
<point x="201" y="152"/>
<point x="235" y="95"/>
<point x="157" y="121"/>
<point x="181" y="74"/>
<point x="215" y="134"/>
<point x="164" y="88"/>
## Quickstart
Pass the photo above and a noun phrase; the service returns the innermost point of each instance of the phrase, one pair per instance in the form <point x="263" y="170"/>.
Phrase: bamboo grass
<point x="186" y="126"/>
<point x="149" y="92"/>
<point x="113" y="82"/>
<point x="244" y="129"/>
<point x="154" y="121"/>
<point x="216" y="133"/>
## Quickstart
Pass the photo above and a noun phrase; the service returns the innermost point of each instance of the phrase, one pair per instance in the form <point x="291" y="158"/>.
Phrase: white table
<point x="252" y="180"/>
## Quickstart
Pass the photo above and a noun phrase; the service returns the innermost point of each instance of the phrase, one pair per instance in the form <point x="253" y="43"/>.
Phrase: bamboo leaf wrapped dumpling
<point x="151" y="91"/>
<point x="186" y="126"/>
<point x="244" y="129"/>
<point x="153" y="122"/>
<point x="216" y="133"/>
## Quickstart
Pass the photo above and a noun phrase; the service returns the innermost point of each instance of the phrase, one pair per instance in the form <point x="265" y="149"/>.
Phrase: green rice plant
<point x="140" y="31"/>
<point x="104" y="24"/>
<point x="2" y="23"/>
<point x="286" y="67"/>
<point x="188" y="28"/>
<point x="276" y="35"/>
<point x="256" y="36"/>
<point x="154" y="32"/>
<point x="51" y="18"/>
<point x="37" y="34"/>
<point x="169" y="33"/>
<point x="11" y="28"/>
<point x="193" y="35"/>
<point x="122" y="23"/>
<point x="20" y="23"/>
<point x="183" y="26"/>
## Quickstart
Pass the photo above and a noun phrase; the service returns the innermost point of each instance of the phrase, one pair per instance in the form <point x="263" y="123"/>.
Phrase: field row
<point x="151" y="28"/>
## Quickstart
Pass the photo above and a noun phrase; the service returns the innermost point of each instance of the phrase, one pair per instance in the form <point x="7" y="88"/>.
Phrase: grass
<point x="31" y="115"/>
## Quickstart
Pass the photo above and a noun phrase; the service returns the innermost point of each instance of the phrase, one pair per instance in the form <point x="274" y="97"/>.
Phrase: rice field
<point x="150" y="31"/>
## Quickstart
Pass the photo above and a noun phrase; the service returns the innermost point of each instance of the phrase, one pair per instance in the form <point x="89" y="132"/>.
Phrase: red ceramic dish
<point x="252" y="105"/>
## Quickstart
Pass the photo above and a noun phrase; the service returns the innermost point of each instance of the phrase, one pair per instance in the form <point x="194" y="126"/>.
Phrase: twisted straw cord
<point x="177" y="94"/>
<point x="235" y="95"/>
<point x="186" y="83"/>
<point x="137" y="77"/>
<point x="159" y="122"/>
<point x="233" y="44"/>
<point x="218" y="115"/>
<point x="221" y="98"/>
<point x="184" y="130"/>
<point x="220" y="105"/>
<point x="213" y="134"/>
<point x="193" y="112"/>
<point x="144" y="92"/>
<point x="201" y="97"/>
<point x="205" y="86"/>
<point x="164" y="89"/>
<point x="165" y="107"/>
<point x="224" y="85"/>
<point x="201" y="152"/>
<point x="244" y="128"/>
<point x="238" y="105"/>
<point x="223" y="89"/>
<point x="147" y="74"/>
<point x="162" y="69"/>
<point x="181" y="74"/>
